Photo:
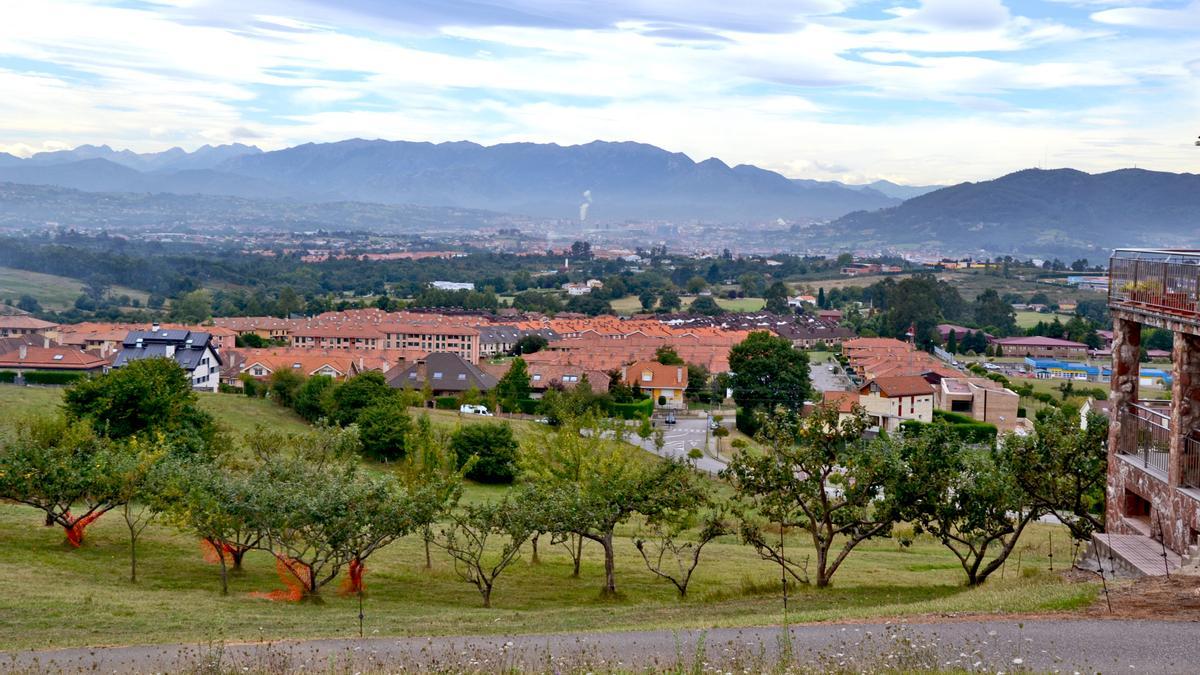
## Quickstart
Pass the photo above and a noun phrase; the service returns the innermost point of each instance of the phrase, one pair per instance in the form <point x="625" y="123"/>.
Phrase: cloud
<point x="1182" y="18"/>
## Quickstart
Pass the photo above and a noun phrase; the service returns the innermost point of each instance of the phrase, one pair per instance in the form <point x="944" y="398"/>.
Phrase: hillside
<point x="616" y="181"/>
<point x="1039" y="211"/>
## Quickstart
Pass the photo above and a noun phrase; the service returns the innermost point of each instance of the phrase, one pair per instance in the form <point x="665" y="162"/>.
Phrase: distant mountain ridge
<point x="1039" y="210"/>
<point x="617" y="181"/>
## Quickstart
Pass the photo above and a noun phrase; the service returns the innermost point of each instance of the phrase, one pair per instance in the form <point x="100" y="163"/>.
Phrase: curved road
<point x="1084" y="645"/>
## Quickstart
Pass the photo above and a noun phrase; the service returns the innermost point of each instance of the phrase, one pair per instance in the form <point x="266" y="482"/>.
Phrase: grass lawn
<point x="238" y="414"/>
<point x="630" y="305"/>
<point x="59" y="597"/>
<point x="53" y="292"/>
<point x="1027" y="319"/>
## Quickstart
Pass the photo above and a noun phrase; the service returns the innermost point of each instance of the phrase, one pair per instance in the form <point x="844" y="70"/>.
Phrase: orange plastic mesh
<point x="76" y="528"/>
<point x="353" y="583"/>
<point x="296" y="575"/>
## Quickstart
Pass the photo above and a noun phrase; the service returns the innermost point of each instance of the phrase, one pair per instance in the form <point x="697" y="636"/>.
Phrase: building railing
<point x="1163" y="281"/>
<point x="1190" y="474"/>
<point x="1151" y="440"/>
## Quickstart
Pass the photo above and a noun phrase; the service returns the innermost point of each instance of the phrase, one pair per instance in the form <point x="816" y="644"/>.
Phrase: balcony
<point x="1153" y="282"/>
<point x="1150" y="445"/>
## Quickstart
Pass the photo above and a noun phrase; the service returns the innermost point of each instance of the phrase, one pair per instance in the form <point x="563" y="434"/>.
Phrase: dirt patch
<point x="1177" y="598"/>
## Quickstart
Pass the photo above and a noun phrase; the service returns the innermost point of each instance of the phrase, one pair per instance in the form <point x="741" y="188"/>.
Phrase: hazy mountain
<point x="103" y="175"/>
<point x="34" y="206"/>
<point x="175" y="159"/>
<point x="625" y="180"/>
<point x="897" y="191"/>
<point x="1061" y="209"/>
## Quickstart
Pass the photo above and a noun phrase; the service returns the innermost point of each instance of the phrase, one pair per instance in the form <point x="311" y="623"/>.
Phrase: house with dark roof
<point x="448" y="374"/>
<point x="193" y="351"/>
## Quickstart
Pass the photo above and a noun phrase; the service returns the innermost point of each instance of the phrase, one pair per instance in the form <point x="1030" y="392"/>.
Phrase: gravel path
<point x="1065" y="645"/>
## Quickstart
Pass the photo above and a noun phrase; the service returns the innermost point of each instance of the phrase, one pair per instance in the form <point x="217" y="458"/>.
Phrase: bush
<point x="8" y="376"/>
<point x="966" y="428"/>
<point x="747" y="421"/>
<point x="493" y="446"/>
<point x="383" y="428"/>
<point x="631" y="411"/>
<point x="529" y="406"/>
<point x="446" y="403"/>
<point x="53" y="377"/>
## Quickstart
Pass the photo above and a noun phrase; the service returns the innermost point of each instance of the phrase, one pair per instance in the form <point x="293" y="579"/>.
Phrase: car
<point x="670" y="418"/>
<point x="469" y="409"/>
<point x="830" y="367"/>
<point x="542" y="420"/>
<point x="714" y="425"/>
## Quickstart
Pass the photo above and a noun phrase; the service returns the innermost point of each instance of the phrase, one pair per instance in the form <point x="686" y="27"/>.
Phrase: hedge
<point x="632" y="411"/>
<point x="747" y="421"/>
<point x="529" y="406"/>
<point x="966" y="428"/>
<point x="446" y="403"/>
<point x="53" y="377"/>
<point x="8" y="376"/>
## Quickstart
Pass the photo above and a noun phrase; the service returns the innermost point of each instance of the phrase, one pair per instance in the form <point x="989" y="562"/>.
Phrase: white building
<point x="194" y="352"/>
<point x="452" y="286"/>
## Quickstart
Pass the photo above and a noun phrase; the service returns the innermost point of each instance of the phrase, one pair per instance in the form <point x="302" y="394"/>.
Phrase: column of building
<point x="1185" y="402"/>
<point x="1122" y="432"/>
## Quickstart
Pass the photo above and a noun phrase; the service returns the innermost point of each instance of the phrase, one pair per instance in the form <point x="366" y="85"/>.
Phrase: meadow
<point x="57" y="596"/>
<point x="53" y="292"/>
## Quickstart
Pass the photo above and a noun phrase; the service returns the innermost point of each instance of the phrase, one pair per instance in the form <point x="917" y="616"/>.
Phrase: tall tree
<point x="769" y="373"/>
<point x="514" y="386"/>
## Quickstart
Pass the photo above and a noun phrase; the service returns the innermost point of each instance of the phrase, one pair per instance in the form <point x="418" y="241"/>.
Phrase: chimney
<point x="22" y="352"/>
<point x="45" y="342"/>
<point x="154" y="327"/>
<point x="170" y="351"/>
<point x="679" y="374"/>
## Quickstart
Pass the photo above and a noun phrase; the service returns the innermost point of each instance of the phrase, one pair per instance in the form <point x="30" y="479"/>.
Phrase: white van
<point x="468" y="409"/>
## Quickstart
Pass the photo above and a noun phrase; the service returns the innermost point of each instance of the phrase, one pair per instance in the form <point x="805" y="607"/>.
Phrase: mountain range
<point x="600" y="180"/>
<point x="1040" y="210"/>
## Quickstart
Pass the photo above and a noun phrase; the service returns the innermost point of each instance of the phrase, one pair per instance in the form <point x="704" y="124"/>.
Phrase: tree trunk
<point x="578" y="556"/>
<point x="236" y="553"/>
<point x="822" y="573"/>
<point x="534" y="541"/>
<point x="428" y="557"/>
<point x="224" y="576"/>
<point x="610" y="579"/>
<point x="487" y="596"/>
<point x="132" y="559"/>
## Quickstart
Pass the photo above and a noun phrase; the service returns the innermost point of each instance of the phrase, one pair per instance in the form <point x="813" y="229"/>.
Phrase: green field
<point x="56" y="596"/>
<point x="630" y="305"/>
<point x="53" y="292"/>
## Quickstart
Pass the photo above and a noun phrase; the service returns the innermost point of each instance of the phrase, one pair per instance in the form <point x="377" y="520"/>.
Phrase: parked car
<point x="469" y="409"/>
<point x="714" y="425"/>
<point x="670" y="418"/>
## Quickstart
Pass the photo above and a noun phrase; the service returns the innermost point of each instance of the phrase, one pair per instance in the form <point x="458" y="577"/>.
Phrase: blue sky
<point x="915" y="91"/>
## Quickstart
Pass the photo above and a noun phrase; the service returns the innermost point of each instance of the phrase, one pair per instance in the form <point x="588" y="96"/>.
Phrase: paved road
<point x="1061" y="645"/>
<point x="680" y="438"/>
<point x="823" y="380"/>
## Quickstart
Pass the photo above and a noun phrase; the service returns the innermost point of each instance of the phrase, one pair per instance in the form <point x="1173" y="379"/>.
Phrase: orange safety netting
<point x="353" y="583"/>
<point x="214" y="551"/>
<point x="76" y="527"/>
<point x="295" y="574"/>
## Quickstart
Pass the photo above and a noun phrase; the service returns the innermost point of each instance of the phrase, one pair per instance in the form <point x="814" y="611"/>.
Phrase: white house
<point x="193" y="351"/>
<point x="889" y="401"/>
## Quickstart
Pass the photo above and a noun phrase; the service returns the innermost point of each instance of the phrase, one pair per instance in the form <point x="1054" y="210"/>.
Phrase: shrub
<point x="493" y="446"/>
<point x="52" y="377"/>
<point x="383" y="429"/>
<point x="529" y="406"/>
<point x="631" y="411"/>
<point x="747" y="421"/>
<point x="8" y="376"/>
<point x="446" y="403"/>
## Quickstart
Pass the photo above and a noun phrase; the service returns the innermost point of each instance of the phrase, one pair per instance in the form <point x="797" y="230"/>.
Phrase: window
<point x="437" y="375"/>
<point x="462" y="376"/>
<point x="537" y="377"/>
<point x="58" y="357"/>
<point x="647" y="376"/>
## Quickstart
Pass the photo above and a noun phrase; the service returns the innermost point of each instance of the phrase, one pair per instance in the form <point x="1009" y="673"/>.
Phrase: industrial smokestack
<point x="587" y="203"/>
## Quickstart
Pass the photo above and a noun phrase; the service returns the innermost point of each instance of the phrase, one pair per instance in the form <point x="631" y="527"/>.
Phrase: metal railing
<point x="1190" y="470"/>
<point x="1166" y="281"/>
<point x="1151" y="437"/>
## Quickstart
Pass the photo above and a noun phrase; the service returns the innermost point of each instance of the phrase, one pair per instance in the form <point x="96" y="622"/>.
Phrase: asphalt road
<point x="1061" y="645"/>
<point x="823" y="380"/>
<point x="680" y="438"/>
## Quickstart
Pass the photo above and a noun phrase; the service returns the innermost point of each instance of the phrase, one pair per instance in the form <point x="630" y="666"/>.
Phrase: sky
<point x="914" y="91"/>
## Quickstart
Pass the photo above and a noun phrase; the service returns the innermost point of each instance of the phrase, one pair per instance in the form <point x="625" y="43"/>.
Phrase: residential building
<point x="13" y="325"/>
<point x="1153" y="488"/>
<point x="980" y="399"/>
<point x="500" y="339"/>
<point x="890" y="401"/>
<point x="447" y="374"/>
<point x="665" y="384"/>
<point x="1042" y="347"/>
<point x="546" y="376"/>
<point x="49" y="356"/>
<point x="193" y="351"/>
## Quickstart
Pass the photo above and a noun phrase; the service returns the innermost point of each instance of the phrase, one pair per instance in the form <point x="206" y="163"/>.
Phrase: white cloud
<point x="1181" y="18"/>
